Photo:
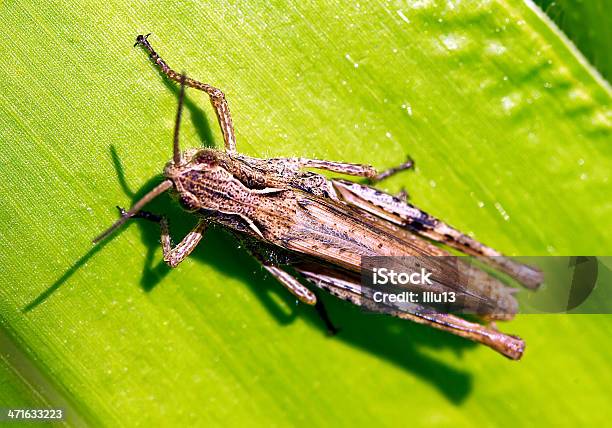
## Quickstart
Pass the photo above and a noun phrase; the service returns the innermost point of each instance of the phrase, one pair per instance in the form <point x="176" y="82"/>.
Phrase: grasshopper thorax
<point x="201" y="180"/>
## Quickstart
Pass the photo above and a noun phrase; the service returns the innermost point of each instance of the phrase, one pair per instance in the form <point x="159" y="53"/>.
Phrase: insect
<point x="288" y="216"/>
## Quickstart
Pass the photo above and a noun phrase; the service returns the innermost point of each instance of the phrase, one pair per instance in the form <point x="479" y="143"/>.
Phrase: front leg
<point x="173" y="255"/>
<point x="290" y="282"/>
<point x="217" y="97"/>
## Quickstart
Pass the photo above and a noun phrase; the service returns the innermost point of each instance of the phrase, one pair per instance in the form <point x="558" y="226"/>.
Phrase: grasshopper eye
<point x="206" y="158"/>
<point x="189" y="202"/>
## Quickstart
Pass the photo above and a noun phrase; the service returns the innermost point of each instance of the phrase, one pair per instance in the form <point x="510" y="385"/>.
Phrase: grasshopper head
<point x="180" y="165"/>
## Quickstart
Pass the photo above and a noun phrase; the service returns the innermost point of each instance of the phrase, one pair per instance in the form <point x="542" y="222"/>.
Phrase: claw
<point x="141" y="40"/>
<point x="140" y="214"/>
<point x="122" y="211"/>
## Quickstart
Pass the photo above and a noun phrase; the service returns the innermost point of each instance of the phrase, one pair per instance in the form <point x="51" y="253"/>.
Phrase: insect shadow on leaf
<point x="406" y="345"/>
<point x="391" y="339"/>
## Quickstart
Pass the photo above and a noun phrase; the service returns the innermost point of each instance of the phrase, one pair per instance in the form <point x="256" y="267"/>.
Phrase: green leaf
<point x="587" y="24"/>
<point x="510" y="128"/>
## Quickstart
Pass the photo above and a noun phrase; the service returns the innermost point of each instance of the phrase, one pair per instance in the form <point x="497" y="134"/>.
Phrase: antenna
<point x="164" y="185"/>
<point x="177" y="123"/>
<point x="161" y="188"/>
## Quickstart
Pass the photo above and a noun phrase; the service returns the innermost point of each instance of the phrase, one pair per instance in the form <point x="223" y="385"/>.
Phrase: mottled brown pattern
<point x="322" y="227"/>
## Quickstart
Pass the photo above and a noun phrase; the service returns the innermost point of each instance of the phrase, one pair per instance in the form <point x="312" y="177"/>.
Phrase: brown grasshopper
<point x="322" y="227"/>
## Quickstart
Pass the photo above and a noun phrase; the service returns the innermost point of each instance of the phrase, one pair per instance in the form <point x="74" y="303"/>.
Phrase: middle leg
<point x="173" y="255"/>
<point x="355" y="169"/>
<point x="339" y="167"/>
<point x="295" y="287"/>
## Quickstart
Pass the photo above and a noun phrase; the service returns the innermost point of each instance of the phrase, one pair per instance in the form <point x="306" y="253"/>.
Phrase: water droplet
<point x="532" y="137"/>
<point x="348" y="57"/>
<point x="580" y="161"/>
<point x="502" y="211"/>
<point x="486" y="83"/>
<point x="507" y="104"/>
<point x="406" y="106"/>
<point x="495" y="48"/>
<point x="451" y="42"/>
<point x="481" y="204"/>
<point x="422" y="4"/>
<point x="578" y="94"/>
<point x="599" y="119"/>
<point x="403" y="17"/>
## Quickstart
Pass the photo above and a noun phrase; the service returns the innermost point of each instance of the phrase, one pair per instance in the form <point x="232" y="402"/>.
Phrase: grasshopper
<point x="321" y="227"/>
